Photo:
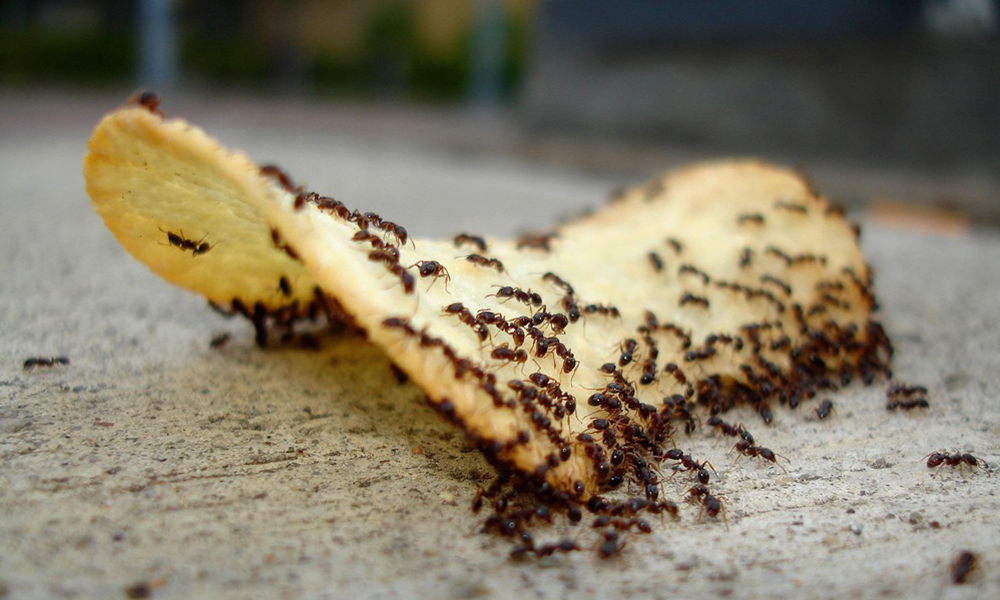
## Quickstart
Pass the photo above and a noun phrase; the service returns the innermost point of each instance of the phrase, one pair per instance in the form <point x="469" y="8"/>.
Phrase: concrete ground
<point x="155" y="466"/>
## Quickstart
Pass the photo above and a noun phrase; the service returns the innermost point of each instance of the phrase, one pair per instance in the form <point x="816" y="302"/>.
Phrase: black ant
<point x="601" y="309"/>
<point x="285" y="286"/>
<point x="219" y="341"/>
<point x="35" y="361"/>
<point x="503" y="352"/>
<point x="689" y="298"/>
<point x="196" y="248"/>
<point x="432" y="268"/>
<point x="629" y="347"/>
<point x="824" y="409"/>
<point x="526" y="297"/>
<point x="657" y="262"/>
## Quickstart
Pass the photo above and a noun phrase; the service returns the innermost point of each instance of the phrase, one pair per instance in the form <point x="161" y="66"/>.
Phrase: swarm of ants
<point x="626" y="445"/>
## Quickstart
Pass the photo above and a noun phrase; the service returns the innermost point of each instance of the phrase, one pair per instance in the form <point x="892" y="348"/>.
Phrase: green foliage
<point x="27" y="56"/>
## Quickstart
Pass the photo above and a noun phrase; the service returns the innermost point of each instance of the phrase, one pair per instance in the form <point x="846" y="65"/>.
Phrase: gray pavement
<point x="153" y="464"/>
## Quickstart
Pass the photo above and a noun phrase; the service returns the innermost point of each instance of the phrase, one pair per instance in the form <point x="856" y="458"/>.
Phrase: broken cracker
<point x="720" y="284"/>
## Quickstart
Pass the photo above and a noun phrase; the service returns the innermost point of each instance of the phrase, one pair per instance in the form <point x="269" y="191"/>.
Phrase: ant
<point x="824" y="409"/>
<point x="689" y="464"/>
<point x="485" y="262"/>
<point x="34" y="361"/>
<point x="787" y="289"/>
<point x="709" y="504"/>
<point x="629" y="347"/>
<point x="558" y="281"/>
<point x="731" y="430"/>
<point x="149" y="101"/>
<point x="962" y="566"/>
<point x="196" y="248"/>
<point x="601" y="309"/>
<point x="285" y="286"/>
<point x="901" y="395"/>
<point x="936" y="459"/>
<point x="689" y="298"/>
<point x="755" y="218"/>
<point x="791" y="206"/>
<point x="530" y="298"/>
<point x="284" y="180"/>
<point x="539" y="241"/>
<point x="219" y="341"/>
<point x="657" y="262"/>
<point x="747" y="448"/>
<point x="611" y="546"/>
<point x="544" y="550"/>
<point x="503" y="352"/>
<point x="475" y="240"/>
<point x="432" y="268"/>
<point x="696" y="272"/>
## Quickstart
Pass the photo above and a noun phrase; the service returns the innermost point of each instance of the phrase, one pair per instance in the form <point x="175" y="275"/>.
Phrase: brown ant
<point x="537" y="241"/>
<point x="475" y="240"/>
<point x="37" y="361"/>
<point x="963" y="565"/>
<point x="731" y="430"/>
<point x="558" y="281"/>
<point x="285" y="286"/>
<point x="686" y="463"/>
<point x="937" y="459"/>
<point x="905" y="396"/>
<point x="710" y="505"/>
<point x="283" y="179"/>
<point x="747" y="448"/>
<point x="148" y="101"/>
<point x="432" y="268"/>
<point x="492" y="263"/>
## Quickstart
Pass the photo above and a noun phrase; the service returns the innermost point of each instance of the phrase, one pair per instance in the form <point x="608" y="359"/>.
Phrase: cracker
<point x="717" y="285"/>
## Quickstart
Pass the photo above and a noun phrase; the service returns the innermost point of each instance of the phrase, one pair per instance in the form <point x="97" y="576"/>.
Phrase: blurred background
<point x="889" y="105"/>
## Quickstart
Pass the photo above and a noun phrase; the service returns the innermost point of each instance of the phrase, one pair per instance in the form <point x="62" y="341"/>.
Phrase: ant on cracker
<point x="432" y="268"/>
<point x="196" y="248"/>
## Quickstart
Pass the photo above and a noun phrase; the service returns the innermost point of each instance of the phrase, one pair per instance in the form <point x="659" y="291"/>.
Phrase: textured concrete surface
<point x="155" y="465"/>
